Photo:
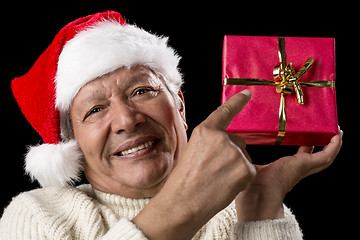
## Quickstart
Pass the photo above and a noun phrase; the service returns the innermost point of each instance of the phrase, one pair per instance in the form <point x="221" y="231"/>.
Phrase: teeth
<point x="137" y="148"/>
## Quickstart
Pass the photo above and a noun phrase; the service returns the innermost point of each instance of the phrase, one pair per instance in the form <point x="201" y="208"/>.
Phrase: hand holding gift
<point x="263" y="198"/>
<point x="284" y="109"/>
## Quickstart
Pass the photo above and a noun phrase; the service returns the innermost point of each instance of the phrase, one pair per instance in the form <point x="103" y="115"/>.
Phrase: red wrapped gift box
<point x="248" y="63"/>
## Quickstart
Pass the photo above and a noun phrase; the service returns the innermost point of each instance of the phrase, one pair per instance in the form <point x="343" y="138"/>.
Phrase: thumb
<point x="223" y="115"/>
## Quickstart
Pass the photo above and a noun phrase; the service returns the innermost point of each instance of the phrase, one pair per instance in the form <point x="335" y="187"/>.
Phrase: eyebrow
<point x="128" y="81"/>
<point x="95" y="96"/>
<point x="134" y="79"/>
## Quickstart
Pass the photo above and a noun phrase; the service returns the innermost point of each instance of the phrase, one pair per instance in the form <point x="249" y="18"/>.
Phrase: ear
<point x="182" y="108"/>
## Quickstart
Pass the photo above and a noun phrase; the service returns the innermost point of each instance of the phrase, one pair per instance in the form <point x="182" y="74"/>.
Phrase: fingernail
<point x="341" y="131"/>
<point x="246" y="92"/>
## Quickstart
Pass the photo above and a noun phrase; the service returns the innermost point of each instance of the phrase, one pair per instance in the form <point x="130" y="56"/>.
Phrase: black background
<point x="323" y="203"/>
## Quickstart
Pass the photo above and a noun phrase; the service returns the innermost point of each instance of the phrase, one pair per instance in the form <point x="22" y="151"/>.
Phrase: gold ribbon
<point x="285" y="81"/>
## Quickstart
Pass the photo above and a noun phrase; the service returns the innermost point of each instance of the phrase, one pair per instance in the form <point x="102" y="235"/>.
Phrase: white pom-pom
<point x="54" y="164"/>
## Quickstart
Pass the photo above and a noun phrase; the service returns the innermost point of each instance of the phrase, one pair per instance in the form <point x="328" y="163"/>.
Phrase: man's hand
<point x="263" y="199"/>
<point x="211" y="171"/>
<point x="214" y="167"/>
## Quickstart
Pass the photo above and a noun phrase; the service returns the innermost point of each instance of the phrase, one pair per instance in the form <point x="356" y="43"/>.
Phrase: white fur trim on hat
<point x="54" y="164"/>
<point x="105" y="47"/>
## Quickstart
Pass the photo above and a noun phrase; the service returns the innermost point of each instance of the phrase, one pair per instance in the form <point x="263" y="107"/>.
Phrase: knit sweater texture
<point x="85" y="213"/>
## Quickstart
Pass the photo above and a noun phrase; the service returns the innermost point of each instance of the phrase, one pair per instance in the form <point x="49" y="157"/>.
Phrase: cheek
<point x="165" y="113"/>
<point x="91" y="140"/>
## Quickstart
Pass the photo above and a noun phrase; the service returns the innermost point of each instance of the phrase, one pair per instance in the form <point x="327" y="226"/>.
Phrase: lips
<point x="136" y="147"/>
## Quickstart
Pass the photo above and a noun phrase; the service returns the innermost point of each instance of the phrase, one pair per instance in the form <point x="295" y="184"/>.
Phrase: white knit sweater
<point x="85" y="213"/>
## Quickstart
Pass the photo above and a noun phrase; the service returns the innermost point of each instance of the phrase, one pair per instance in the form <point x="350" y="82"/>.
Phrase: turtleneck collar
<point x="121" y="206"/>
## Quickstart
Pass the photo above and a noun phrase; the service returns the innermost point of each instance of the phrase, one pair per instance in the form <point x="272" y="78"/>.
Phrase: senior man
<point x="105" y="97"/>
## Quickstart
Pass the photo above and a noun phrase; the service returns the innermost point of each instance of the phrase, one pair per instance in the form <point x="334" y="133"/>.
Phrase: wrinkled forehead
<point x="119" y="80"/>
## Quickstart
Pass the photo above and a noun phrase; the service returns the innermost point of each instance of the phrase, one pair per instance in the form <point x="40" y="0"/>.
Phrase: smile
<point x="135" y="149"/>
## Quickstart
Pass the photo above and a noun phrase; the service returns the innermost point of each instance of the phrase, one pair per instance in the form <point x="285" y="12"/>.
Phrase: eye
<point x="93" y="111"/>
<point x="141" y="91"/>
<point x="144" y="92"/>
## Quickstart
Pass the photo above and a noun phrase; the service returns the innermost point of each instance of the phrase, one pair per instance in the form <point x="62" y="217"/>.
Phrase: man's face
<point x="130" y="131"/>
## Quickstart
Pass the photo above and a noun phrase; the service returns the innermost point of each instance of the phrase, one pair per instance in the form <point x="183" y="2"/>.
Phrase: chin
<point x="146" y="180"/>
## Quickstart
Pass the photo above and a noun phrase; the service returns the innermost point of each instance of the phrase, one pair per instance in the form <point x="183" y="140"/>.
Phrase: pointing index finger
<point x="223" y="115"/>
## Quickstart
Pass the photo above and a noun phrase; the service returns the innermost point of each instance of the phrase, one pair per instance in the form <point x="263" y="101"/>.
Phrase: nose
<point x="126" y="118"/>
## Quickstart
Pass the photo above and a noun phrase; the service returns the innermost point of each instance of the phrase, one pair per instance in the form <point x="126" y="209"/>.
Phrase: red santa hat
<point x="82" y="51"/>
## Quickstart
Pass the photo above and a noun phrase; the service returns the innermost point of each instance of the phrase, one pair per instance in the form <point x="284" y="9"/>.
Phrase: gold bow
<point x="285" y="81"/>
<point x="286" y="74"/>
